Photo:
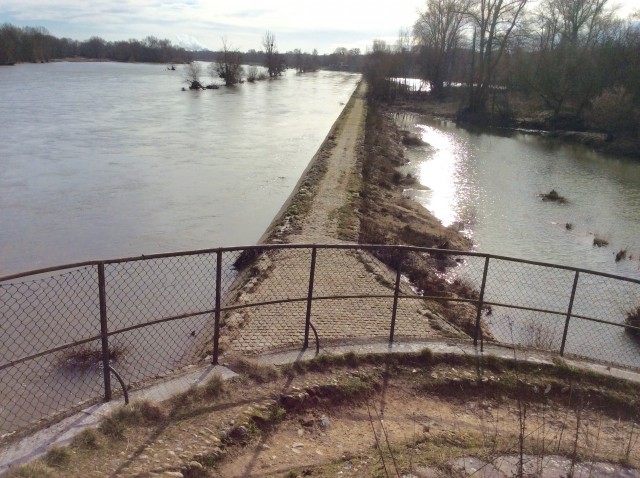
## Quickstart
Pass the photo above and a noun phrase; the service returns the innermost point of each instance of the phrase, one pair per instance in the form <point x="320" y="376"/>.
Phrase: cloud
<point x="296" y="23"/>
<point x="191" y="43"/>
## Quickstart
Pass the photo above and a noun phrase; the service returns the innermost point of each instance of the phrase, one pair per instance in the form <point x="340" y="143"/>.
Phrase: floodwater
<point x="108" y="160"/>
<point x="488" y="184"/>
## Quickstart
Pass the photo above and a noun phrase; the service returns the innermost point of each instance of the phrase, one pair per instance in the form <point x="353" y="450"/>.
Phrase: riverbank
<point x="205" y="431"/>
<point x="527" y="118"/>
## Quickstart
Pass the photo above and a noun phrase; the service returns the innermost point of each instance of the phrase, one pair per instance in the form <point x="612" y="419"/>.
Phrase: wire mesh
<point x="160" y="313"/>
<point x="44" y="313"/>
<point x="143" y="291"/>
<point x="525" y="328"/>
<point x="39" y="315"/>
<point x="611" y="300"/>
<point x="529" y="285"/>
<point x="46" y="386"/>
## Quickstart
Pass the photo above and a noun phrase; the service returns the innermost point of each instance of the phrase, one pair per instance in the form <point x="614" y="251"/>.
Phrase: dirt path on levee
<point x="321" y="211"/>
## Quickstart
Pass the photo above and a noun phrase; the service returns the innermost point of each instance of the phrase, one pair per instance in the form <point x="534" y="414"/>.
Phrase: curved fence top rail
<point x="354" y="246"/>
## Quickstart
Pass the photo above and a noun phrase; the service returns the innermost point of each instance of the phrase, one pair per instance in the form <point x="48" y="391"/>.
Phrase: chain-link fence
<point x="63" y="329"/>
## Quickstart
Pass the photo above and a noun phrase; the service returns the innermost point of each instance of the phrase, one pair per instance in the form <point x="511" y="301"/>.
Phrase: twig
<point x="386" y="438"/>
<point x="595" y="448"/>
<point x="384" y="465"/>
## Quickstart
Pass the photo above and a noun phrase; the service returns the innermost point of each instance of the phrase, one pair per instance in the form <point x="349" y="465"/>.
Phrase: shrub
<point x="32" y="470"/>
<point x="613" y="112"/>
<point x="214" y="387"/>
<point x="86" y="440"/>
<point x="621" y="254"/>
<point x="633" y="319"/>
<point x="140" y="413"/>
<point x="57" y="457"/>
<point x="252" y="73"/>
<point x="258" y="371"/>
<point x="600" y="242"/>
<point x="553" y="196"/>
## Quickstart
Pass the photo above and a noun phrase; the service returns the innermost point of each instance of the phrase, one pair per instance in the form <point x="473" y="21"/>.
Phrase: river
<point x="488" y="183"/>
<point x="106" y="160"/>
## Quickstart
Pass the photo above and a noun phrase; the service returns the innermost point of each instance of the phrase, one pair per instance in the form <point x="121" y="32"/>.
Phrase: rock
<point x="238" y="432"/>
<point x="194" y="465"/>
<point x="234" y="320"/>
<point x="324" y="422"/>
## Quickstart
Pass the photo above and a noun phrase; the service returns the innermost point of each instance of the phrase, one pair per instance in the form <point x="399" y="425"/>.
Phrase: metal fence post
<point x="481" y="301"/>
<point x="216" y="327"/>
<point x="312" y="274"/>
<point x="396" y="292"/>
<point x="104" y="331"/>
<point x="569" y="310"/>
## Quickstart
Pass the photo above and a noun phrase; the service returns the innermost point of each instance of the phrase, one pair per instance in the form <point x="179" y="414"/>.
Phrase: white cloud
<point x="302" y="24"/>
<point x="191" y="43"/>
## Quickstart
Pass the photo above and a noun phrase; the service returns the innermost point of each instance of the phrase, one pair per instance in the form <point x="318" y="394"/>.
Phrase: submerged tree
<point x="228" y="66"/>
<point x="192" y="75"/>
<point x="273" y="60"/>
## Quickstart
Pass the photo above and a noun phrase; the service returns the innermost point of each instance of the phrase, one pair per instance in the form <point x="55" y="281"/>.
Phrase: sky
<point x="304" y="24"/>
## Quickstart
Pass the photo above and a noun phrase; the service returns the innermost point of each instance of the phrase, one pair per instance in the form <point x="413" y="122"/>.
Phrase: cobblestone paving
<point x="338" y="273"/>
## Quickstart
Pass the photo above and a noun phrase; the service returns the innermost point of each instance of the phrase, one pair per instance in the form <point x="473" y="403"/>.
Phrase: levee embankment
<point x="328" y="206"/>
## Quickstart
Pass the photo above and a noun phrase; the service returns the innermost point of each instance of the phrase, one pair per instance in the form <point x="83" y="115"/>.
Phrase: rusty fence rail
<point x="65" y="330"/>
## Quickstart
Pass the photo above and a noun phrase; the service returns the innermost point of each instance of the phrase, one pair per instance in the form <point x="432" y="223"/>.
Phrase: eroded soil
<point x="357" y="417"/>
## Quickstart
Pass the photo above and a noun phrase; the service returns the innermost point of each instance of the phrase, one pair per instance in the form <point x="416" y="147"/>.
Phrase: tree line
<point x="36" y="45"/>
<point x="575" y="58"/>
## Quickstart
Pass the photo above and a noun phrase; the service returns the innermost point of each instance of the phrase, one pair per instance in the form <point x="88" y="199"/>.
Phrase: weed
<point x="214" y="387"/>
<point x="425" y="356"/>
<point x="57" y="457"/>
<point x="86" y="440"/>
<point x="600" y="242"/>
<point x="351" y="359"/>
<point x="32" y="470"/>
<point x="246" y="258"/>
<point x="553" y="196"/>
<point x="277" y="414"/>
<point x="258" y="371"/>
<point x="112" y="428"/>
<point x="633" y="320"/>
<point x="141" y="413"/>
<point x="538" y="335"/>
<point x="83" y="357"/>
<point x="621" y="254"/>
<point x="184" y="400"/>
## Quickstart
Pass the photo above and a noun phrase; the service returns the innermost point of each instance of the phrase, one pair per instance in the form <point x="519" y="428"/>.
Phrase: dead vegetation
<point x="386" y="217"/>
<point x="553" y="196"/>
<point x="391" y="415"/>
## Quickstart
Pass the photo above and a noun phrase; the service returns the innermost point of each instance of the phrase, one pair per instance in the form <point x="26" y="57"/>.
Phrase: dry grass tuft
<point x="255" y="370"/>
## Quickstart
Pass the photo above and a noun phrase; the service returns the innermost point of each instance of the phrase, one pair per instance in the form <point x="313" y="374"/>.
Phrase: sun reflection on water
<point x="439" y="173"/>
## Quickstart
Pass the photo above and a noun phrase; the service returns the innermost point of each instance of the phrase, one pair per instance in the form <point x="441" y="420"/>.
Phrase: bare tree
<point x="579" y="19"/>
<point x="493" y="22"/>
<point x="228" y="65"/>
<point x="273" y="60"/>
<point x="439" y="33"/>
<point x="193" y="74"/>
<point x="562" y="70"/>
